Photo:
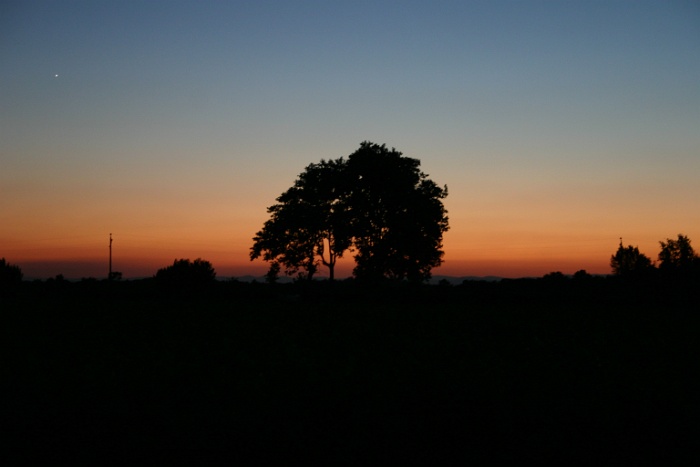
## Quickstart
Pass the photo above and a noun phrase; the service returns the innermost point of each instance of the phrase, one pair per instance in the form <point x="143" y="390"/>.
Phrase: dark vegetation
<point x="185" y="276"/>
<point x="566" y="370"/>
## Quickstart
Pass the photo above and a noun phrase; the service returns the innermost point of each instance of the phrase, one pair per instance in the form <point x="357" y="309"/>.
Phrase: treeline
<point x="676" y="259"/>
<point x="677" y="263"/>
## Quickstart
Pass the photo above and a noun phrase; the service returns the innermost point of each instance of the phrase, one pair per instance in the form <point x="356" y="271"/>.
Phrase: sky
<point x="558" y="126"/>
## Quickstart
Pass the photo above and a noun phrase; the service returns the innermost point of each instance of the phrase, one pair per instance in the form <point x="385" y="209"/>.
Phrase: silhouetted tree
<point x="308" y="225"/>
<point x="10" y="274"/>
<point x="582" y="275"/>
<point x="184" y="272"/>
<point x="677" y="256"/>
<point x="397" y="215"/>
<point x="376" y="201"/>
<point x="555" y="276"/>
<point x="628" y="261"/>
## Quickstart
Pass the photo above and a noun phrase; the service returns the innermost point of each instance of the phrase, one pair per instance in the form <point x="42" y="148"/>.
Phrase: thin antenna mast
<point x="110" y="257"/>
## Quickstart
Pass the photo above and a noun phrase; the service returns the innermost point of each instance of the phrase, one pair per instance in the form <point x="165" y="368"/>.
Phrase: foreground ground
<point x="492" y="373"/>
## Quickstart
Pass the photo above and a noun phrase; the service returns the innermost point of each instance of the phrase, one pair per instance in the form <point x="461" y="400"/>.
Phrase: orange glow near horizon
<point x="143" y="262"/>
<point x="142" y="255"/>
<point x="504" y="235"/>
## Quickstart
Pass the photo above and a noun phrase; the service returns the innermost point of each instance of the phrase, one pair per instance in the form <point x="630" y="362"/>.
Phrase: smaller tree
<point x="184" y="272"/>
<point x="628" y="261"/>
<point x="677" y="255"/>
<point x="555" y="276"/>
<point x="582" y="275"/>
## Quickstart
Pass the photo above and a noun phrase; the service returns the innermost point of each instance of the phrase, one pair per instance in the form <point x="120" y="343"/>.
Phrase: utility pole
<point x="110" y="257"/>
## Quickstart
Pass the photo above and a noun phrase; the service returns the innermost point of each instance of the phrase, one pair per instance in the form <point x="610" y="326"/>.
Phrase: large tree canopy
<point x="377" y="202"/>
<point x="397" y="215"/>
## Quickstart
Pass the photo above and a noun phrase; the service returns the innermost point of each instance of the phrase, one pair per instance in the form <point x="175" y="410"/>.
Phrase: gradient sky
<point x="557" y="126"/>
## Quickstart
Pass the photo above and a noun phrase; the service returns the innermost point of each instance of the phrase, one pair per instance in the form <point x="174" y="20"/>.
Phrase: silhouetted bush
<point x="556" y="276"/>
<point x="187" y="274"/>
<point x="582" y="275"/>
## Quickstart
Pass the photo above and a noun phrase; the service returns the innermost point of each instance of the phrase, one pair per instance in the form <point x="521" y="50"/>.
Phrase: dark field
<point x="520" y="371"/>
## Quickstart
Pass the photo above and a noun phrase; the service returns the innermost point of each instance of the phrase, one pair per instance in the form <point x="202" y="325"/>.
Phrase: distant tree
<point x="376" y="201"/>
<point x="10" y="274"/>
<point x="184" y="272"/>
<point x="582" y="275"/>
<point x="555" y="276"/>
<point x="628" y="261"/>
<point x="308" y="225"/>
<point x="677" y="255"/>
<point x="398" y="217"/>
